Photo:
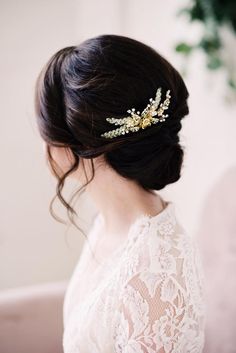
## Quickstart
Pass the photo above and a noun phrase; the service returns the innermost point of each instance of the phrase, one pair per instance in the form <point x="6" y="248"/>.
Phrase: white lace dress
<point x="146" y="297"/>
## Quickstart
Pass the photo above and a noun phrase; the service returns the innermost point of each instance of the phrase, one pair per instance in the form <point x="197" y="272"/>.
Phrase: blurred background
<point x="38" y="254"/>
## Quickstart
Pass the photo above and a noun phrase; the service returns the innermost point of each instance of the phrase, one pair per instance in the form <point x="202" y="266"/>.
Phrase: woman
<point x="109" y="111"/>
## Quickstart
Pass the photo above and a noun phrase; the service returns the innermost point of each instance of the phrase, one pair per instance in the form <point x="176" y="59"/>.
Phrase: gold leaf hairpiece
<point x="136" y="121"/>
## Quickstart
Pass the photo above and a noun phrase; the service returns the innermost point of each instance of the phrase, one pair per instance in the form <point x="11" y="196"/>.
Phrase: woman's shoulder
<point x="161" y="287"/>
<point x="160" y="232"/>
<point x="161" y="245"/>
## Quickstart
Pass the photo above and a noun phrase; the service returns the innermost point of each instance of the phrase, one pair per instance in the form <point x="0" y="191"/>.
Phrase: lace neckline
<point x="141" y="221"/>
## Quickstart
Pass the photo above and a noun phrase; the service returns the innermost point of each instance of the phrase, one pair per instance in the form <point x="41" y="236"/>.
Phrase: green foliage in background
<point x="212" y="14"/>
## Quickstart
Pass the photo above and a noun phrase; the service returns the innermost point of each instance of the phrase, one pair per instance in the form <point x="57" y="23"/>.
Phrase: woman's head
<point x="80" y="86"/>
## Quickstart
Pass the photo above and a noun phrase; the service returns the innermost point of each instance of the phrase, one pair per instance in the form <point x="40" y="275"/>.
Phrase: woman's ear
<point x="59" y="159"/>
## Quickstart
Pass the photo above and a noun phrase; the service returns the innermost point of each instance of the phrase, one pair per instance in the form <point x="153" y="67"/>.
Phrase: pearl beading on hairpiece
<point x="135" y="121"/>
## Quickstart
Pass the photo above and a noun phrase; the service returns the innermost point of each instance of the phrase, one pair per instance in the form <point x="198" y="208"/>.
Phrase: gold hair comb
<point x="135" y="121"/>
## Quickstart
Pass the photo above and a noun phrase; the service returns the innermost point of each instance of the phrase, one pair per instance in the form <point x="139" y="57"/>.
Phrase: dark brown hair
<point x="104" y="76"/>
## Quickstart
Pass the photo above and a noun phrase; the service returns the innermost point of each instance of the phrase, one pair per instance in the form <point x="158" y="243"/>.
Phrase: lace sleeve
<point x="158" y="311"/>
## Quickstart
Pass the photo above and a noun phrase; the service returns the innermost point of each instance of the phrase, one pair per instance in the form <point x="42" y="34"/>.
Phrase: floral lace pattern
<point x="150" y="300"/>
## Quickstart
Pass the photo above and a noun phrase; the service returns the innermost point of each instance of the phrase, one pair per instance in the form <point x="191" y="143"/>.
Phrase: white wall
<point x="33" y="246"/>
